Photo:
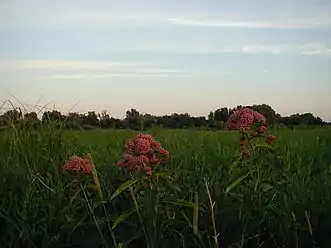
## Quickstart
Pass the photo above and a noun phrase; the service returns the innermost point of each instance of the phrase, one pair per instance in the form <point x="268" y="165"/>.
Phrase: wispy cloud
<point x="290" y="23"/>
<point x="321" y="49"/>
<point x="74" y="70"/>
<point x="71" y="64"/>
<point x="63" y="14"/>
<point x="309" y="49"/>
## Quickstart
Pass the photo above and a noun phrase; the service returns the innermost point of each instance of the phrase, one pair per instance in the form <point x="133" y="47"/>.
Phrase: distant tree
<point x="53" y="116"/>
<point x="267" y="111"/>
<point x="31" y="116"/>
<point x="105" y="120"/>
<point x="11" y="117"/>
<point x="149" y="121"/>
<point x="137" y="121"/>
<point x="199" y="121"/>
<point x="31" y="119"/>
<point x="91" y="119"/>
<point x="221" y="114"/>
<point x="211" y="116"/>
<point x="307" y="119"/>
<point x="134" y="119"/>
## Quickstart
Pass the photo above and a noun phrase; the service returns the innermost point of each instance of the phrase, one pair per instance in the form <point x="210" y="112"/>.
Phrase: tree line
<point x="138" y="121"/>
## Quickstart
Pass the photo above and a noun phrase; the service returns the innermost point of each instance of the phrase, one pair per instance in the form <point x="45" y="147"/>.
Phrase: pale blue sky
<point x="167" y="56"/>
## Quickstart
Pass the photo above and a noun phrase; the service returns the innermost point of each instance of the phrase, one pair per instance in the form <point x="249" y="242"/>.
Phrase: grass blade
<point x="236" y="182"/>
<point x="180" y="202"/>
<point x="120" y="219"/>
<point x="123" y="187"/>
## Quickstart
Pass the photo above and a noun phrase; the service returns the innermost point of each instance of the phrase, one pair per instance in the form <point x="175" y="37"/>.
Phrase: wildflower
<point x="77" y="164"/>
<point x="142" y="146"/>
<point x="147" y="169"/>
<point x="129" y="146"/>
<point x="243" y="119"/>
<point x="147" y="137"/>
<point x="153" y="160"/>
<point x="142" y="153"/>
<point x="262" y="129"/>
<point x="255" y="134"/>
<point x="135" y="163"/>
<point x="242" y="143"/>
<point x="128" y="160"/>
<point x="165" y="155"/>
<point x="271" y="139"/>
<point x="142" y="159"/>
<point x="156" y="145"/>
<point x="260" y="118"/>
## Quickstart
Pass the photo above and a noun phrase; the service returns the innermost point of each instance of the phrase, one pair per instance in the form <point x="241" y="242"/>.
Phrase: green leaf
<point x="180" y="202"/>
<point x="236" y="182"/>
<point x="265" y="147"/>
<point x="170" y="173"/>
<point x="196" y="215"/>
<point x="266" y="186"/>
<point x="123" y="187"/>
<point x="120" y="218"/>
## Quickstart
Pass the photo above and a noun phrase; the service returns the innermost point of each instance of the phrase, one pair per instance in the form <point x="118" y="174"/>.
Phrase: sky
<point x="166" y="56"/>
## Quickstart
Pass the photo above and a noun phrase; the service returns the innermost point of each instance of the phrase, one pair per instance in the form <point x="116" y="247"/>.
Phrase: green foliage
<point x="137" y="121"/>
<point x="280" y="198"/>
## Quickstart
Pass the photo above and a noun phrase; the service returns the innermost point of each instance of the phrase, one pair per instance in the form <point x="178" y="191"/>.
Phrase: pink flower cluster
<point x="77" y="164"/>
<point x="244" y="118"/>
<point x="142" y="153"/>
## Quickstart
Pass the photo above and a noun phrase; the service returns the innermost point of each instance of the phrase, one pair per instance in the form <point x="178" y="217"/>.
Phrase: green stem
<point x="93" y="215"/>
<point x="139" y="215"/>
<point x="254" y="162"/>
<point x="212" y="204"/>
<point x="109" y="227"/>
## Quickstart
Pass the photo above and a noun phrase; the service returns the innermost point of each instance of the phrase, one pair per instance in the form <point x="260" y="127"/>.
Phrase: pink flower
<point x="242" y="143"/>
<point x="153" y="160"/>
<point x="260" y="118"/>
<point x="142" y="146"/>
<point x="129" y="146"/>
<point x="147" y="137"/>
<point x="142" y="153"/>
<point x="142" y="159"/>
<point x="77" y="164"/>
<point x="156" y="146"/>
<point x="243" y="119"/>
<point x="255" y="134"/>
<point x="147" y="169"/>
<point x="134" y="163"/>
<point x="127" y="162"/>
<point x="262" y="129"/>
<point x="240" y="120"/>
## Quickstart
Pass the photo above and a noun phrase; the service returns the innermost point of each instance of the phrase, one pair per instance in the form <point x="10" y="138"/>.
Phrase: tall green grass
<point x="208" y="200"/>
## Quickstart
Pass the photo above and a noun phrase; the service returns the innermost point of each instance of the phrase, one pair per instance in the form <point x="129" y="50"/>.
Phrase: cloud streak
<point x="320" y="49"/>
<point x="64" y="15"/>
<point x="302" y="23"/>
<point x="75" y="70"/>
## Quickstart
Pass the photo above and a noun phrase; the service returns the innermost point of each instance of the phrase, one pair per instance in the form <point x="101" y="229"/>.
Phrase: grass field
<point x="281" y="199"/>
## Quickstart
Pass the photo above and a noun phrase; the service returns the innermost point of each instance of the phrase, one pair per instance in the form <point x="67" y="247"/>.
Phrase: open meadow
<point x="201" y="197"/>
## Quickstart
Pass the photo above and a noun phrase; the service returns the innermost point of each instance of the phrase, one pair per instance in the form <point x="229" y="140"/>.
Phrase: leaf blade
<point x="123" y="187"/>
<point x="180" y="202"/>
<point x="236" y="182"/>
